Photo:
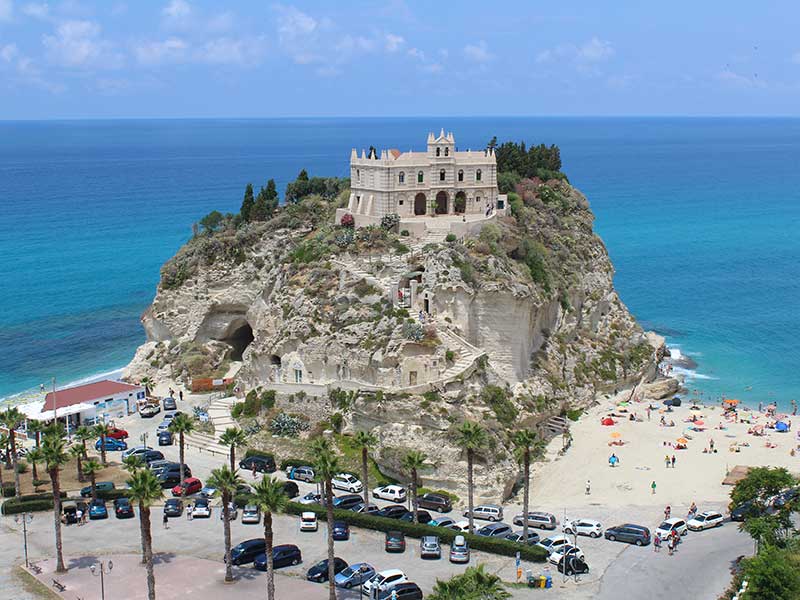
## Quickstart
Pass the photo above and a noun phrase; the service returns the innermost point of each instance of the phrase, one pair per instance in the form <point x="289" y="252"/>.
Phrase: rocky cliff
<point x="521" y="322"/>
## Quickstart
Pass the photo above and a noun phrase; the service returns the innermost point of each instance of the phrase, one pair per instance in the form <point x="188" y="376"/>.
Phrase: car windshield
<point x="665" y="525"/>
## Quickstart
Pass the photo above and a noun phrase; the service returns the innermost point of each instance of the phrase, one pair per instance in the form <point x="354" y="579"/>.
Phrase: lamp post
<point x="25" y="518"/>
<point x="105" y="569"/>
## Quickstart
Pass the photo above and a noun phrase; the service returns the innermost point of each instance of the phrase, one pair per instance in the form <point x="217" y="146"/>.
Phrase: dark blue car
<point x="341" y="531"/>
<point x="111" y="444"/>
<point x="283" y="555"/>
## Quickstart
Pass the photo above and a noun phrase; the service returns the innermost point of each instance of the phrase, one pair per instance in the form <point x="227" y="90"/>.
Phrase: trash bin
<point x="542" y="581"/>
<point x="548" y="582"/>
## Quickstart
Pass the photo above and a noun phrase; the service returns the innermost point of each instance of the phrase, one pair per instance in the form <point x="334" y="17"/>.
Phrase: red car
<point x="191" y="484"/>
<point x="117" y="434"/>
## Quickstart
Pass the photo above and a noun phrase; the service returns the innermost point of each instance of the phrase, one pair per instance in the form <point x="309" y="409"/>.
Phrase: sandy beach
<point x="697" y="475"/>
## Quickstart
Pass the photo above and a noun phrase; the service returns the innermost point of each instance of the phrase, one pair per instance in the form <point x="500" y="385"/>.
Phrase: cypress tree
<point x="248" y="203"/>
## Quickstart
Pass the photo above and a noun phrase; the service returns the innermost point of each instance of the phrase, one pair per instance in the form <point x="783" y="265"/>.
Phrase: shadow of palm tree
<point x="163" y="558"/>
<point x="83" y="562"/>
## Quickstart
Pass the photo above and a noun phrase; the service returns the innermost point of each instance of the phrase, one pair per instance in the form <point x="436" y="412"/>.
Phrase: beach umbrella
<point x="781" y="426"/>
<point x="683" y="441"/>
<point x="699" y="423"/>
<point x="616" y="435"/>
<point x="607" y="421"/>
<point x="731" y="401"/>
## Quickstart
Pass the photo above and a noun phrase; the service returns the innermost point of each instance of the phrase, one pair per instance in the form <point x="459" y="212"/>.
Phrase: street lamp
<point x="104" y="570"/>
<point x="24" y="518"/>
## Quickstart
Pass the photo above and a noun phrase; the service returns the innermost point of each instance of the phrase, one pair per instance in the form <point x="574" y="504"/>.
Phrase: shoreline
<point x="35" y="393"/>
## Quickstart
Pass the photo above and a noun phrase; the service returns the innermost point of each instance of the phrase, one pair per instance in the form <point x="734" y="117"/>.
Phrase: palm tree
<point x="83" y="434"/>
<point x="413" y="461"/>
<point x="3" y="447"/>
<point x="145" y="490"/>
<point x="364" y="440"/>
<point x="471" y="437"/>
<point x="11" y="419"/>
<point x="326" y="465"/>
<point x="181" y="425"/>
<point x="474" y="582"/>
<point x="102" y="430"/>
<point x="271" y="498"/>
<point x="233" y="437"/>
<point x="146" y="382"/>
<point x="527" y="444"/>
<point x="33" y="457"/>
<point x="132" y="463"/>
<point x="91" y="468"/>
<point x="36" y="428"/>
<point x="226" y="481"/>
<point x="55" y="457"/>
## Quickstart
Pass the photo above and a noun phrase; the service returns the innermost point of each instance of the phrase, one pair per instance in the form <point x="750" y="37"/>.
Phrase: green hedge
<point x="113" y="494"/>
<point x="41" y="496"/>
<point x="294" y="462"/>
<point x="476" y="542"/>
<point x="14" y="506"/>
<point x="8" y="490"/>
<point x="253" y="452"/>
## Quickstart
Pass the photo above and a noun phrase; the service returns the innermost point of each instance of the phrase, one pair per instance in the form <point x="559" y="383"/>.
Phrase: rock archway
<point x="239" y="336"/>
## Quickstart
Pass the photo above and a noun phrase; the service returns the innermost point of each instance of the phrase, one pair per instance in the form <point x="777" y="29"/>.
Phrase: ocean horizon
<point x="699" y="215"/>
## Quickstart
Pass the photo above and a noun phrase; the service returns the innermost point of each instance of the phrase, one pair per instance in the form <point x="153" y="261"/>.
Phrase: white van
<point x="308" y="521"/>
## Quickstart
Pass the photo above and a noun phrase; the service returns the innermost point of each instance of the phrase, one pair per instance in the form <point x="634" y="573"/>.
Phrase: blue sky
<point x="256" y="58"/>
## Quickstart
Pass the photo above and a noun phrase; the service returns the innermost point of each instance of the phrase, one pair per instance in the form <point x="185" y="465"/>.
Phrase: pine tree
<point x="302" y="176"/>
<point x="272" y="196"/>
<point x="247" y="203"/>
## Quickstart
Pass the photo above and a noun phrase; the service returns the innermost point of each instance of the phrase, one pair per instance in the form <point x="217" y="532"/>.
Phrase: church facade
<point x="439" y="181"/>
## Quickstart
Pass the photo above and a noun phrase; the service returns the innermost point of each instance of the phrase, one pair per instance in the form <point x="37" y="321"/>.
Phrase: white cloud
<point x="416" y="53"/>
<point x="37" y="10"/>
<point x="168" y="51"/>
<point x="177" y="10"/>
<point x="221" y="22"/>
<point x="78" y="44"/>
<point x="432" y="68"/>
<point x="393" y="42"/>
<point x="6" y="10"/>
<point x="478" y="53"/>
<point x="294" y="23"/>
<point x="226" y="51"/>
<point x="735" y="79"/>
<point x="350" y="43"/>
<point x="595" y="50"/>
<point x="8" y="52"/>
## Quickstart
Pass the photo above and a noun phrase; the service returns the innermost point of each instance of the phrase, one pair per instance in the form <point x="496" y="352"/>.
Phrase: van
<point x="541" y="520"/>
<point x="488" y="512"/>
<point x="633" y="534"/>
<point x="308" y="521"/>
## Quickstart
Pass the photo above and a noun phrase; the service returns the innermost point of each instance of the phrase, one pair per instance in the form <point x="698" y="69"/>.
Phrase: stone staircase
<point x="219" y="415"/>
<point x="359" y="274"/>
<point x="466" y="353"/>
<point x="432" y="236"/>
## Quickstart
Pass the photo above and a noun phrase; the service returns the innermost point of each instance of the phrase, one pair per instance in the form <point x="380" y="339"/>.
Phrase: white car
<point x="233" y="511"/>
<point x="208" y="491"/>
<point x="553" y="543"/>
<point x="583" y="527"/>
<point x="251" y="514"/>
<point x="461" y="526"/>
<point x="311" y="498"/>
<point x="308" y="521"/>
<point x="565" y="550"/>
<point x="667" y="527"/>
<point x="347" y="482"/>
<point x="705" y="520"/>
<point x="135" y="451"/>
<point x="395" y="493"/>
<point x="202" y="508"/>
<point x="383" y="580"/>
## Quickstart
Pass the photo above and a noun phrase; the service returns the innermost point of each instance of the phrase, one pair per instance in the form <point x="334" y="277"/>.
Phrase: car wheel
<point x="685" y="531"/>
<point x="568" y="531"/>
<point x="612" y="538"/>
<point x="594" y="534"/>
<point x="638" y="542"/>
<point x="296" y="561"/>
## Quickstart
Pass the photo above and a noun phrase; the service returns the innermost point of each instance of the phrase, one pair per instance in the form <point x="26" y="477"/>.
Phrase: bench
<point x="58" y="585"/>
<point x="36" y="569"/>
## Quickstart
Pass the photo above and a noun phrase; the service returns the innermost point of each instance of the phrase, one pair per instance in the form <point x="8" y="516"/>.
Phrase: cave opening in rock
<point x="275" y="360"/>
<point x="239" y="338"/>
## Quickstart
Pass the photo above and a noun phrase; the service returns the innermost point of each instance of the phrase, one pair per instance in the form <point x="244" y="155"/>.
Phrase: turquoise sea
<point x="701" y="218"/>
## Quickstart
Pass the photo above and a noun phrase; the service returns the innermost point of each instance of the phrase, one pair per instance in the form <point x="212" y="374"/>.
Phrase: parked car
<point x="347" y="501"/>
<point x="117" y="433"/>
<point x="541" y="520"/>
<point x="304" y="473"/>
<point x="290" y="489"/>
<point x="393" y="511"/>
<point x="151" y="456"/>
<point x="311" y="498"/>
<point x="461" y="526"/>
<point x="405" y="590"/>
<point x="517" y="536"/>
<point x="572" y="565"/>
<point x="366" y="508"/>
<point x="494" y="530"/>
<point x="459" y="550"/>
<point x="565" y="550"/>
<point x="207" y="491"/>
<point x="170" y="404"/>
<point x="99" y="486"/>
<point x="135" y="451"/>
<point x="670" y="525"/>
<point x="437" y="502"/>
<point x="263" y="464"/>
<point x="164" y="425"/>
<point x="583" y="527"/>
<point x="165" y="438"/>
<point x="251" y="514"/>
<point x="354" y="575"/>
<point x="705" y="520"/>
<point x="97" y="509"/>
<point x="111" y="444"/>
<point x="308" y="521"/>
<point x="341" y="531"/>
<point x="384" y="580"/>
<point x="487" y="512"/>
<point x="347" y="482"/>
<point x="283" y="555"/>
<point x="173" y="507"/>
<point x="191" y="485"/>
<point x="423" y="516"/>
<point x="442" y="522"/>
<point x="393" y="493"/>
<point x="202" y="509"/>
<point x="246" y="551"/>
<point x="123" y="508"/>
<point x="744" y="511"/>
<point x="553" y="542"/>
<point x="395" y="541"/>
<point x="633" y="534"/>
<point x="319" y="572"/>
<point x="429" y="547"/>
<point x="149" y="410"/>
<point x="785" y="497"/>
<point x="169" y="479"/>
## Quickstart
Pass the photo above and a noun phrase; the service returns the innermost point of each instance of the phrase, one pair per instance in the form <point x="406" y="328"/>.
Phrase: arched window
<point x="461" y="174"/>
<point x="401" y="177"/>
<point x="441" y="175"/>
<point x="478" y="175"/>
<point x="420" y="177"/>
<point x="477" y="198"/>
<point x="438" y="151"/>
<point x="358" y="175"/>
<point x="447" y="151"/>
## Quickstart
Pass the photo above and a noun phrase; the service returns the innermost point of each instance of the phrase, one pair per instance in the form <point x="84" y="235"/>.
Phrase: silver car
<point x="429" y="547"/>
<point x="251" y="514"/>
<point x="459" y="550"/>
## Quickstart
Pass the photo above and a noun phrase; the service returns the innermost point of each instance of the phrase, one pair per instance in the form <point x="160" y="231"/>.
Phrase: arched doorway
<point x="419" y="204"/>
<point x="460" y="203"/>
<point x="238" y="337"/>
<point x="441" y="203"/>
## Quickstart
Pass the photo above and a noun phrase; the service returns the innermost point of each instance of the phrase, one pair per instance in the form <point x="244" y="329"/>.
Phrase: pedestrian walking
<point x="588" y="487"/>
<point x="653" y="487"/>
<point x="667" y="512"/>
<point x="711" y="444"/>
<point x="189" y="509"/>
<point x="180" y="394"/>
<point x="671" y="545"/>
<point x="666" y="461"/>
<point x="648" y="413"/>
<point x="657" y="542"/>
<point x="673" y="461"/>
<point x="166" y="521"/>
<point x="692" y="510"/>
<point x="254" y="470"/>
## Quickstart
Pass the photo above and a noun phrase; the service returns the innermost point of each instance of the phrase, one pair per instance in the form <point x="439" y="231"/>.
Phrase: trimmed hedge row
<point x="253" y="452"/>
<point x="502" y="547"/>
<point x="8" y="490"/>
<point x="294" y="462"/>
<point x="14" y="506"/>
<point x="113" y="494"/>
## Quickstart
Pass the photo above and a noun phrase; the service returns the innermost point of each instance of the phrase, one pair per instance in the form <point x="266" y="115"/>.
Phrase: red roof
<point x="88" y="393"/>
<point x="395" y="152"/>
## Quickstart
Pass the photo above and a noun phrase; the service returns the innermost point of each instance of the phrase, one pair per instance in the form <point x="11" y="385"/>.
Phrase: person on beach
<point x="673" y="461"/>
<point x="759" y="407"/>
<point x="166" y="521"/>
<point x="657" y="543"/>
<point x="648" y="413"/>
<point x="692" y="510"/>
<point x="711" y="444"/>
<point x="671" y="545"/>
<point x="794" y="408"/>
<point x="588" y="487"/>
<point x="189" y="509"/>
<point x="653" y="487"/>
<point x="667" y="512"/>
<point x="666" y="461"/>
<point x="180" y="395"/>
